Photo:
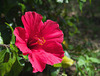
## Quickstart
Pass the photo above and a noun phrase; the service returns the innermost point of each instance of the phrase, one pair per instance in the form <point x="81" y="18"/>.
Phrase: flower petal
<point x="32" y="22"/>
<point x="54" y="48"/>
<point x="39" y="58"/>
<point x="48" y="58"/>
<point x="36" y="62"/>
<point x="20" y="40"/>
<point x="20" y="34"/>
<point x="51" y="31"/>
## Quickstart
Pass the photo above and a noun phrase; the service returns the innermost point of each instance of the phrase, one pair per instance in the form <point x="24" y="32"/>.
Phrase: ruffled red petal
<point x="39" y="58"/>
<point x="32" y="22"/>
<point x="36" y="62"/>
<point x="20" y="40"/>
<point x="54" y="48"/>
<point x="51" y="31"/>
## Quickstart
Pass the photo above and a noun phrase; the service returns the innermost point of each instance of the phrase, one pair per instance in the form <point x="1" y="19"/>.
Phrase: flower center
<point x="41" y="41"/>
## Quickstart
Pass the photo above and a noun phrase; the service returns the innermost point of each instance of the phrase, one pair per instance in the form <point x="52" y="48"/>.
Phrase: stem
<point x="9" y="26"/>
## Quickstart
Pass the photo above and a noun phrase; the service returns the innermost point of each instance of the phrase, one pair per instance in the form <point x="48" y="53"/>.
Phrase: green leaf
<point x="60" y="1"/>
<point x="5" y="66"/>
<point x="70" y="23"/>
<point x="94" y="60"/>
<point x="57" y="65"/>
<point x="23" y="7"/>
<point x="63" y="74"/>
<point x="25" y="57"/>
<point x="54" y="72"/>
<point x="6" y="58"/>
<point x="20" y="61"/>
<point x="44" y="18"/>
<point x="90" y="1"/>
<point x="13" y="47"/>
<point x="81" y="61"/>
<point x="81" y="5"/>
<point x="70" y="47"/>
<point x="40" y="1"/>
<point x="71" y="34"/>
<point x="66" y="1"/>
<point x="66" y="54"/>
<point x="2" y="54"/>
<point x="83" y="0"/>
<point x="1" y="39"/>
<point x="16" y="69"/>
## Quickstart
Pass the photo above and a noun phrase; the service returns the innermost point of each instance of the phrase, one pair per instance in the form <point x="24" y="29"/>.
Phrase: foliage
<point x="87" y="65"/>
<point x="9" y="61"/>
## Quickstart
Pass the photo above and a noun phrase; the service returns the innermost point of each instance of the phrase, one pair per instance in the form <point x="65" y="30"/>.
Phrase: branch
<point x="4" y="45"/>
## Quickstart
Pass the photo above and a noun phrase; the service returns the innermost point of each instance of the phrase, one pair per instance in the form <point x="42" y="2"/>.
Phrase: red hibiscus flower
<point x="41" y="41"/>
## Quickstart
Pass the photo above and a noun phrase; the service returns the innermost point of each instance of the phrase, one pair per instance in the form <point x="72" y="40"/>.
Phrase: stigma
<point x="41" y="40"/>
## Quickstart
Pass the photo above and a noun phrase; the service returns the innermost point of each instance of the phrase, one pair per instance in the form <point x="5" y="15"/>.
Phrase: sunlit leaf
<point x="60" y="1"/>
<point x="57" y="65"/>
<point x="81" y="5"/>
<point x="5" y="67"/>
<point x="1" y="39"/>
<point x="13" y="47"/>
<point x="63" y="74"/>
<point x="66" y="1"/>
<point x="81" y="61"/>
<point x="66" y="54"/>
<point x="94" y="60"/>
<point x="25" y="57"/>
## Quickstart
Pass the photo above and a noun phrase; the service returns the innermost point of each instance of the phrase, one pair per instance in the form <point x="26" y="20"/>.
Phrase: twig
<point x="4" y="45"/>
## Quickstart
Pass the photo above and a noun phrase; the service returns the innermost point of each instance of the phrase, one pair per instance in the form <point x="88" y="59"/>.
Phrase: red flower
<point x="41" y="41"/>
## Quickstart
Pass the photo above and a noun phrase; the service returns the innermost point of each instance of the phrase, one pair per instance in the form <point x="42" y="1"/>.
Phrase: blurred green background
<point x="78" y="19"/>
